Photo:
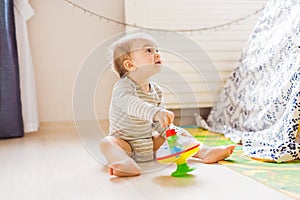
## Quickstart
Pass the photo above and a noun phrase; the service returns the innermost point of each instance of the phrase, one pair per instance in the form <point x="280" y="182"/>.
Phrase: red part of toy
<point x="170" y="132"/>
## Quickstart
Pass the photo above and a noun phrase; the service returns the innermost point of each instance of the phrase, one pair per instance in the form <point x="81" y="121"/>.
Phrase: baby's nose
<point x="157" y="55"/>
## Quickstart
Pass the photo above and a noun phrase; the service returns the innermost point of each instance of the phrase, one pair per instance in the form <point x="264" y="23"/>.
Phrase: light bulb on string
<point x="220" y="27"/>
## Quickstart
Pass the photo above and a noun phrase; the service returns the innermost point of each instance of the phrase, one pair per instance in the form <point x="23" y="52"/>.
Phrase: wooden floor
<point x="53" y="164"/>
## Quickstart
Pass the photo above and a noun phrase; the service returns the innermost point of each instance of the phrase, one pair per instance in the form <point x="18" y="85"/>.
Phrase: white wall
<point x="61" y="38"/>
<point x="217" y="50"/>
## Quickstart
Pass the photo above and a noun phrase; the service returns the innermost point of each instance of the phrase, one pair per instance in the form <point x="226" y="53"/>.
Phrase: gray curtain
<point x="11" y="124"/>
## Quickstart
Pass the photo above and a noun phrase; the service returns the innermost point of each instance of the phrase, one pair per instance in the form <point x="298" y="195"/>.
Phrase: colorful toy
<point x="172" y="140"/>
<point x="178" y="148"/>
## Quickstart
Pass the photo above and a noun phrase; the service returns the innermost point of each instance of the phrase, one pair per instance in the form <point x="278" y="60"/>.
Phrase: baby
<point x="137" y="111"/>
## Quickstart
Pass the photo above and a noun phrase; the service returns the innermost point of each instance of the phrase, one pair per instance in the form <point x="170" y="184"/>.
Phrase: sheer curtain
<point x="23" y="12"/>
<point x="11" y="123"/>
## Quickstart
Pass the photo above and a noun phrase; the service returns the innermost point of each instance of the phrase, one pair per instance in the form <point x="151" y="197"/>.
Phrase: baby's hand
<point x="164" y="117"/>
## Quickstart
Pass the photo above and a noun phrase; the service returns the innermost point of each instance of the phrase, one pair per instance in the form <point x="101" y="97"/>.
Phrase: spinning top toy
<point x="178" y="148"/>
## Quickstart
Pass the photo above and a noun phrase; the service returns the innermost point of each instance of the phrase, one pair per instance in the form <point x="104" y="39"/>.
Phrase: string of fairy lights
<point x="218" y="27"/>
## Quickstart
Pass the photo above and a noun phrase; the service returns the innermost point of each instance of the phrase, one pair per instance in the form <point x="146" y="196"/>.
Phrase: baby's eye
<point x="151" y="50"/>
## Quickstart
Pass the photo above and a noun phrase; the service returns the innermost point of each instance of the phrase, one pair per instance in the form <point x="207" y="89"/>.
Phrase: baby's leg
<point x="210" y="154"/>
<point x="157" y="142"/>
<point x="117" y="151"/>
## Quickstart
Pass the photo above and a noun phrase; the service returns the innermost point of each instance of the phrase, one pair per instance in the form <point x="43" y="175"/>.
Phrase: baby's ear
<point x="128" y="65"/>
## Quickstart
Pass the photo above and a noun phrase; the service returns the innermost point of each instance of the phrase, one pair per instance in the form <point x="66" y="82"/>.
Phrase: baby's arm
<point x="124" y="96"/>
<point x="164" y="119"/>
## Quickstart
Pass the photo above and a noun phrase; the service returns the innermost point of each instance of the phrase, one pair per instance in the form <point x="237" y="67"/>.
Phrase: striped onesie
<point x="131" y="115"/>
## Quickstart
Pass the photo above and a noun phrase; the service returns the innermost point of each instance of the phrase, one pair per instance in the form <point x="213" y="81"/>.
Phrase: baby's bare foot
<point x="124" y="168"/>
<point x="214" y="154"/>
<point x="218" y="153"/>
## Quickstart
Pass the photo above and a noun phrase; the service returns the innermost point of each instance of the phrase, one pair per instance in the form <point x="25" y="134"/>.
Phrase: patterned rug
<point x="283" y="177"/>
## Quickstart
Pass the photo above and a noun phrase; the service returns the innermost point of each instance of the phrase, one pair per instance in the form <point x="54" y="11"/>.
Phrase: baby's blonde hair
<point x="122" y="48"/>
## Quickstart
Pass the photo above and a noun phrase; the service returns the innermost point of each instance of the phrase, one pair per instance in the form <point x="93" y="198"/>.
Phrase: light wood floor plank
<point x="52" y="164"/>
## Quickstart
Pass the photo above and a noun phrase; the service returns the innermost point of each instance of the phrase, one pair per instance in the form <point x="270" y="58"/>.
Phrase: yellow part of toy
<point x="181" y="157"/>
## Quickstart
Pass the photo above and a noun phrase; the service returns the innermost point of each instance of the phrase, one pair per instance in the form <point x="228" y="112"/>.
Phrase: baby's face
<point x="146" y="58"/>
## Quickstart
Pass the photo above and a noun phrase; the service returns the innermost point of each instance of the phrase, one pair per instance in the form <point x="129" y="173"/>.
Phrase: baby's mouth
<point x="157" y="62"/>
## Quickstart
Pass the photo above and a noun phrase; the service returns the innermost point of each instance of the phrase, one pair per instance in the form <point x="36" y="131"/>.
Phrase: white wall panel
<point x="223" y="45"/>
